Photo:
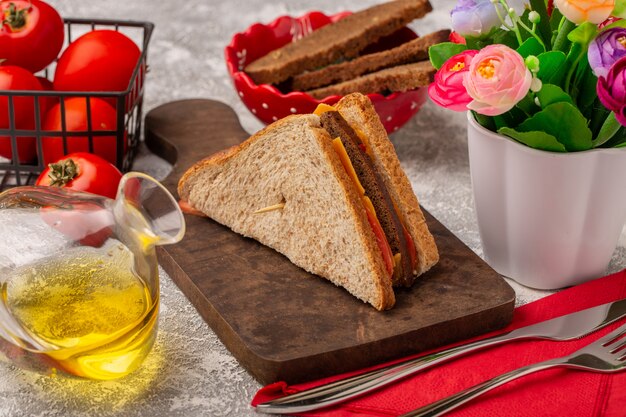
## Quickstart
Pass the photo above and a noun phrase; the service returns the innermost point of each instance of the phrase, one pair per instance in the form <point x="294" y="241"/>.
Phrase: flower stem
<point x="514" y="28"/>
<point x="572" y="69"/>
<point x="531" y="31"/>
<point x="544" y="25"/>
<point x="502" y="19"/>
<point x="561" y="41"/>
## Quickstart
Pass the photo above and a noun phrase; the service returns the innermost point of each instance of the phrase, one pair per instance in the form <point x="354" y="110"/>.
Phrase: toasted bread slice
<point x="397" y="79"/>
<point x="358" y="110"/>
<point x="341" y="40"/>
<point x="322" y="227"/>
<point x="412" y="51"/>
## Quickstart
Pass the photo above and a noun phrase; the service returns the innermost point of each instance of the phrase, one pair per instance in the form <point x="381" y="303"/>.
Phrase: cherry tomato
<point x="103" y="118"/>
<point x="82" y="171"/>
<point x="16" y="78"/>
<point x="31" y="35"/>
<point x="101" y="60"/>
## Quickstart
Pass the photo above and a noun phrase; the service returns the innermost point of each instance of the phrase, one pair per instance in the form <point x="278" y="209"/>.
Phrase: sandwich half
<point x="327" y="191"/>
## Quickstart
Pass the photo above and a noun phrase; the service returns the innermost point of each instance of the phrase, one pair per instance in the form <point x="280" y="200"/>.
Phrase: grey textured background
<point x="190" y="372"/>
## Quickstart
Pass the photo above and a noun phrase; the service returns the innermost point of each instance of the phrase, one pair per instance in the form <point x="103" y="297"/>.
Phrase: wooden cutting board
<point x="283" y="323"/>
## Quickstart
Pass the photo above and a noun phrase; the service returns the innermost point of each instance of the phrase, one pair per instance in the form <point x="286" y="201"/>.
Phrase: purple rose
<point x="606" y="48"/>
<point x="612" y="90"/>
<point x="475" y="17"/>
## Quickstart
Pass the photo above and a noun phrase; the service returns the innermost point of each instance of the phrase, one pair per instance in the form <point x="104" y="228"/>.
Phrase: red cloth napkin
<point x="555" y="392"/>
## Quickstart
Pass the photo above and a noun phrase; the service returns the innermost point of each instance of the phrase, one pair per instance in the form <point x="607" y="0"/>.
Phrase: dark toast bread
<point x="341" y="40"/>
<point x="413" y="51"/>
<point x="375" y="189"/>
<point x="400" y="78"/>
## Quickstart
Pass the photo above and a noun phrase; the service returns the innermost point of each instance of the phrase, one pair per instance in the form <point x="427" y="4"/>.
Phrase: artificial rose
<point x="497" y="80"/>
<point x="448" y="90"/>
<point x="606" y="49"/>
<point x="475" y="17"/>
<point x="612" y="90"/>
<point x="579" y="11"/>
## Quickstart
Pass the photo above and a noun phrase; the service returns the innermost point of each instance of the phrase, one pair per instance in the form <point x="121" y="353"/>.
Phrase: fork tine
<point x="619" y="347"/>
<point x="613" y="337"/>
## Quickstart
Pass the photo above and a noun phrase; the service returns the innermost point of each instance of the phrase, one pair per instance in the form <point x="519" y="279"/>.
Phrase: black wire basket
<point x="128" y="106"/>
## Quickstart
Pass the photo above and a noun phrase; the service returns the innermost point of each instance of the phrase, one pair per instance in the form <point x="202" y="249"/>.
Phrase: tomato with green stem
<point x="82" y="171"/>
<point x="31" y="35"/>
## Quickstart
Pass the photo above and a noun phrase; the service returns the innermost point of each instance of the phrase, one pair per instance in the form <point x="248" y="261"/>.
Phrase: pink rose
<point x="497" y="80"/>
<point x="448" y="90"/>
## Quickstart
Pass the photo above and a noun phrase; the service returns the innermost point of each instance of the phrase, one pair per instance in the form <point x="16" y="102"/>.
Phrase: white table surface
<point x="189" y="372"/>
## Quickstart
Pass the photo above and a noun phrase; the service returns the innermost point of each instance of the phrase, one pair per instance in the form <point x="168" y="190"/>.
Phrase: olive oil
<point x="89" y="306"/>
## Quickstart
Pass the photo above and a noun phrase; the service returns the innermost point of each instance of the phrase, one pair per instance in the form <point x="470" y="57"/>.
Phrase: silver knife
<point x="568" y="327"/>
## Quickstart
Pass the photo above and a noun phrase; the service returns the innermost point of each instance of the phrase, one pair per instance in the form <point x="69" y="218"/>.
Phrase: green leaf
<point x="485" y="121"/>
<point x="527" y="105"/>
<point x="441" y="52"/>
<point x="563" y="121"/>
<point x="617" y="141"/>
<point x="583" y="34"/>
<point x="555" y="20"/>
<point x="587" y="85"/>
<point x="505" y="37"/>
<point x="609" y="128"/>
<point x="576" y="54"/>
<point x="551" y="67"/>
<point x="531" y="46"/>
<point x="477" y="43"/>
<point x="598" y="114"/>
<point x="537" y="139"/>
<point x="620" y="9"/>
<point x="550" y="94"/>
<point x="500" y="121"/>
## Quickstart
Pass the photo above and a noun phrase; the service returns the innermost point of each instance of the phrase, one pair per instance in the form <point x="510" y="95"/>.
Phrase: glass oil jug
<point x="78" y="273"/>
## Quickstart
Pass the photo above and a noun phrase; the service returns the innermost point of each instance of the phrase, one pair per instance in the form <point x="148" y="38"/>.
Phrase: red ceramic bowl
<point x="268" y="104"/>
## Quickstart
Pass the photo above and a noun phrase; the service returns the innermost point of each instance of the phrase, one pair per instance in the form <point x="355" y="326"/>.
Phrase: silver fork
<point x="568" y="327"/>
<point x="607" y="354"/>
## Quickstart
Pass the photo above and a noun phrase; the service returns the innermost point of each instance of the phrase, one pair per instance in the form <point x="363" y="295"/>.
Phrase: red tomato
<point x="31" y="35"/>
<point x="16" y="78"/>
<point x="103" y="118"/>
<point x="101" y="60"/>
<point x="187" y="208"/>
<point x="381" y="240"/>
<point x="82" y="171"/>
<point x="46" y="102"/>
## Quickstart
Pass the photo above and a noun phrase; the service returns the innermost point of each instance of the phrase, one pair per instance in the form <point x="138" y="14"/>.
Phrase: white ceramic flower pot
<point x="547" y="220"/>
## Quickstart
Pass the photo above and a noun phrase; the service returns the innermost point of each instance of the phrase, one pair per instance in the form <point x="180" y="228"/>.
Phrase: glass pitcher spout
<point x="148" y="210"/>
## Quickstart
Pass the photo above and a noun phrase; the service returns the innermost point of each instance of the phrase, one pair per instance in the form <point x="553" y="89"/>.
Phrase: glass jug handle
<point x="144" y="205"/>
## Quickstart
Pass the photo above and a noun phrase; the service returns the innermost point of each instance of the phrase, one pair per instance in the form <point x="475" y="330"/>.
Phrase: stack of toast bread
<point x="331" y="60"/>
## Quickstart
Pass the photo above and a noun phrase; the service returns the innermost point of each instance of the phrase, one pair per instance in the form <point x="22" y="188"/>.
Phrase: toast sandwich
<point x="327" y="191"/>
